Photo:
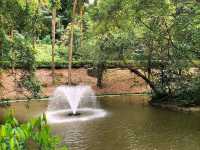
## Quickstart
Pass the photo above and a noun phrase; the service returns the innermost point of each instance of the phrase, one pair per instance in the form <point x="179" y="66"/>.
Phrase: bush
<point x="34" y="134"/>
<point x="5" y="47"/>
<point x="46" y="40"/>
<point x="189" y="94"/>
<point x="31" y="84"/>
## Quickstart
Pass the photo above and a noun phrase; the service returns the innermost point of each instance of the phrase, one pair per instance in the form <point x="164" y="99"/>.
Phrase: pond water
<point x="130" y="124"/>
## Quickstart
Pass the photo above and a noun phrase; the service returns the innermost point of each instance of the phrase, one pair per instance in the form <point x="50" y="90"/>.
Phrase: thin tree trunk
<point x="33" y="42"/>
<point x="14" y="73"/>
<point x="100" y="71"/>
<point x="13" y="53"/>
<point x="53" y="42"/>
<point x="81" y="25"/>
<point x="13" y="60"/>
<point x="71" y="44"/>
<point x="150" y="61"/>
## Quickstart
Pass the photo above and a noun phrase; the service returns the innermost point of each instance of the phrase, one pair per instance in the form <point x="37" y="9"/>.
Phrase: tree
<point x="53" y="41"/>
<point x="13" y="14"/>
<point x="78" y="8"/>
<point x="71" y="43"/>
<point x="55" y="4"/>
<point x="161" y="31"/>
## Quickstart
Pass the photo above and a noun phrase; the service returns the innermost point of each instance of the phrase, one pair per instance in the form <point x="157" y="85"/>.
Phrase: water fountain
<point x="73" y="103"/>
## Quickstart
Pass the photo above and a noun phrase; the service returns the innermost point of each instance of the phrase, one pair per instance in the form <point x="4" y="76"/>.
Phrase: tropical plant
<point x="35" y="134"/>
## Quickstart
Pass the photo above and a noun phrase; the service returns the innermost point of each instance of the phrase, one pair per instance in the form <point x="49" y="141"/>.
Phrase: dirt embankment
<point x="115" y="81"/>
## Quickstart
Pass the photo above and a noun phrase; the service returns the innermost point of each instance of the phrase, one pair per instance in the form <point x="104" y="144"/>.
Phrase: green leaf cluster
<point x="162" y="36"/>
<point x="35" y="134"/>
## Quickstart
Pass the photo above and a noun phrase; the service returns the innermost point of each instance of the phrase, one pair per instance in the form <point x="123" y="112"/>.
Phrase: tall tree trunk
<point x="81" y="25"/>
<point x="53" y="42"/>
<point x="100" y="70"/>
<point x="13" y="52"/>
<point x="71" y="44"/>
<point x="149" y="65"/>
<point x="14" y="72"/>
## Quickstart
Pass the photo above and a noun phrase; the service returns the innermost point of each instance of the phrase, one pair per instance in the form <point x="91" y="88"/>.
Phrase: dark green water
<point x="129" y="125"/>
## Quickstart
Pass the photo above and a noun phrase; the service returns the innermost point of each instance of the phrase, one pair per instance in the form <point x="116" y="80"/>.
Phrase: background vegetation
<point x="156" y="40"/>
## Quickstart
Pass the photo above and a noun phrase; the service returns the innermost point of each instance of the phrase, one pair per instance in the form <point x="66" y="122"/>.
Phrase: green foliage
<point x="43" y="53"/>
<point x="55" y="3"/>
<point x="31" y="84"/>
<point x="188" y="95"/>
<point x="160" y="35"/>
<point x="165" y="46"/>
<point x="66" y="11"/>
<point x="21" y="22"/>
<point x="35" y="134"/>
<point x="4" y="49"/>
<point x="18" y="52"/>
<point x="24" y="53"/>
<point x="25" y="58"/>
<point x="46" y="40"/>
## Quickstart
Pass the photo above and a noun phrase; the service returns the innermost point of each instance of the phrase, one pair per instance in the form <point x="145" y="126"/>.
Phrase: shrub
<point x="46" y="40"/>
<point x="189" y="94"/>
<point x="31" y="84"/>
<point x="35" y="134"/>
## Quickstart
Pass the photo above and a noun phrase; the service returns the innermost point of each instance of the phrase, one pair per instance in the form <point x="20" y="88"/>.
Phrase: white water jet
<point x="69" y="101"/>
<point x="71" y="96"/>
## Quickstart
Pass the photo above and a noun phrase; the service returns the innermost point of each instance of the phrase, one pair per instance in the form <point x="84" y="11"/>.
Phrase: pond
<point x="130" y="124"/>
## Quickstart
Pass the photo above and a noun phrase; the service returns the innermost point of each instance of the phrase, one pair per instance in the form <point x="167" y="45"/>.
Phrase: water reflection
<point x="130" y="125"/>
<point x="134" y="126"/>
